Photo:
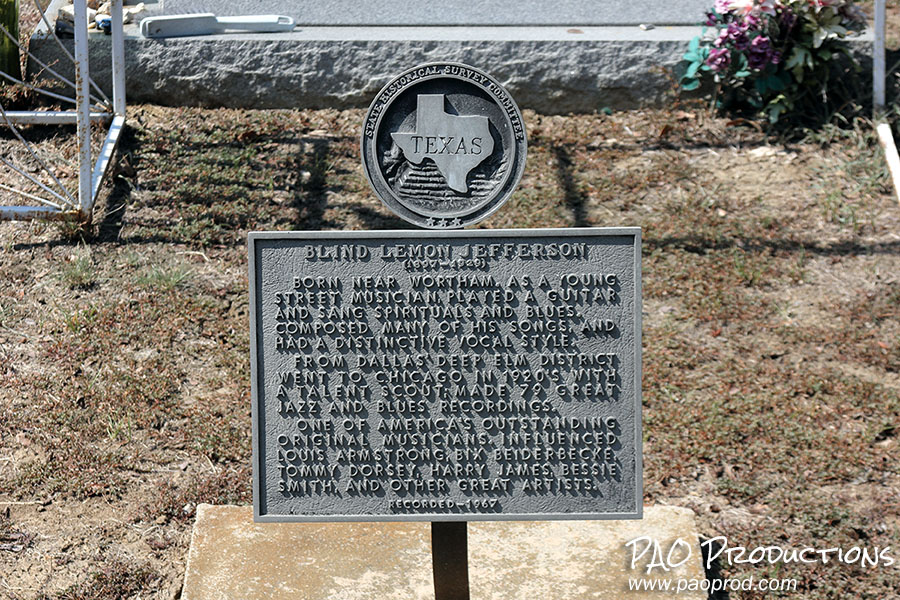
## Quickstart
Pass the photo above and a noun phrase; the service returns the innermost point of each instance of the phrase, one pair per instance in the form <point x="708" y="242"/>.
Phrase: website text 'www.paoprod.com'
<point x="649" y="584"/>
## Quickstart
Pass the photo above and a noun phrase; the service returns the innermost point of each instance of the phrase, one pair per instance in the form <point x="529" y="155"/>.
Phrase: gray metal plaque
<point x="443" y="145"/>
<point x="458" y="12"/>
<point x="488" y="375"/>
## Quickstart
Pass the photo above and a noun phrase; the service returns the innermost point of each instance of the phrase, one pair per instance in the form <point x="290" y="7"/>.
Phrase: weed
<point x="165" y="278"/>
<point x="797" y="270"/>
<point x="79" y="272"/>
<point x="319" y="168"/>
<point x="133" y="259"/>
<point x="78" y="470"/>
<point x="119" y="426"/>
<point x="836" y="210"/>
<point x="116" y="580"/>
<point x="863" y="171"/>
<point x="208" y="179"/>
<point x="74" y="228"/>
<point x="78" y="320"/>
<point x="784" y="311"/>
<point x="744" y="269"/>
<point x="229" y="486"/>
<point x="740" y="487"/>
<point x="7" y="312"/>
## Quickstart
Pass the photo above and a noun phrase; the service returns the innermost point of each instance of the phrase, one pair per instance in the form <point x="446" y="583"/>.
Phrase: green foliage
<point x="775" y="57"/>
<point x="696" y="57"/>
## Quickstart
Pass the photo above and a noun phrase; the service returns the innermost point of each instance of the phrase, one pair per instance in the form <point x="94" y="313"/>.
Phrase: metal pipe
<point x="25" y="213"/>
<point x="44" y="65"/>
<point x="35" y="88"/>
<point x="51" y="117"/>
<point x="886" y="136"/>
<point x="118" y="58"/>
<point x="91" y="177"/>
<point x="83" y="107"/>
<point x="106" y="153"/>
<point x="36" y="182"/>
<point x="51" y="32"/>
<point x="29" y="196"/>
<point x="879" y="74"/>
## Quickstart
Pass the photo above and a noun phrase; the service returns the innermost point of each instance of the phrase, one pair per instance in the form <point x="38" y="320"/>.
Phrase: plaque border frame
<point x="258" y="236"/>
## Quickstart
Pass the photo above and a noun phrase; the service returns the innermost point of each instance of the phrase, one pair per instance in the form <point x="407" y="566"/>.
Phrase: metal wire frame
<point x="60" y="203"/>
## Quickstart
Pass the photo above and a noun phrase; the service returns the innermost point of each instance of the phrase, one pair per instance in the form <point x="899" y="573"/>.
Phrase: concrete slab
<point x="233" y="558"/>
<point x="553" y="70"/>
<point x="550" y="69"/>
<point x="575" y="560"/>
<point x="458" y="12"/>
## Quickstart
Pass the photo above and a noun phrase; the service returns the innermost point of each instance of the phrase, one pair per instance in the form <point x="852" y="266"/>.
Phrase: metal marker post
<point x="450" y="560"/>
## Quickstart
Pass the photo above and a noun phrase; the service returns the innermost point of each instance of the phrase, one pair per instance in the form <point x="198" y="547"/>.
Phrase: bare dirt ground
<point x="771" y="333"/>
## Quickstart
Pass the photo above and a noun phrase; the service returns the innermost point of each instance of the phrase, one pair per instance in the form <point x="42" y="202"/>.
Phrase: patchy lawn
<point x="771" y="333"/>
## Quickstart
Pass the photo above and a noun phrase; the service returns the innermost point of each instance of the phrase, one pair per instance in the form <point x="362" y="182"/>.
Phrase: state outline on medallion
<point x="447" y="148"/>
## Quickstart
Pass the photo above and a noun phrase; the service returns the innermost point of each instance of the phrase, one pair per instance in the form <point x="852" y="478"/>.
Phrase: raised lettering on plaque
<point x="456" y="376"/>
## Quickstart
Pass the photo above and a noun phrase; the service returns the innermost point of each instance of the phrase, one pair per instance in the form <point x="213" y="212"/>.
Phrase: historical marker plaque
<point x="481" y="375"/>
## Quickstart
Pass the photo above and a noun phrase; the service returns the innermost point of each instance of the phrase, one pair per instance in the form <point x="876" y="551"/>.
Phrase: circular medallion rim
<point x="499" y="188"/>
<point x="466" y="217"/>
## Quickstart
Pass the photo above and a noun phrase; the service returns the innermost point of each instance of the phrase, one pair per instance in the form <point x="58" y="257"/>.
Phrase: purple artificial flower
<point x="737" y="35"/>
<point x="722" y="39"/>
<point x="760" y="44"/>
<point x="711" y="19"/>
<point x="760" y="53"/>
<point x="788" y="19"/>
<point x="722" y="6"/>
<point x="719" y="59"/>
